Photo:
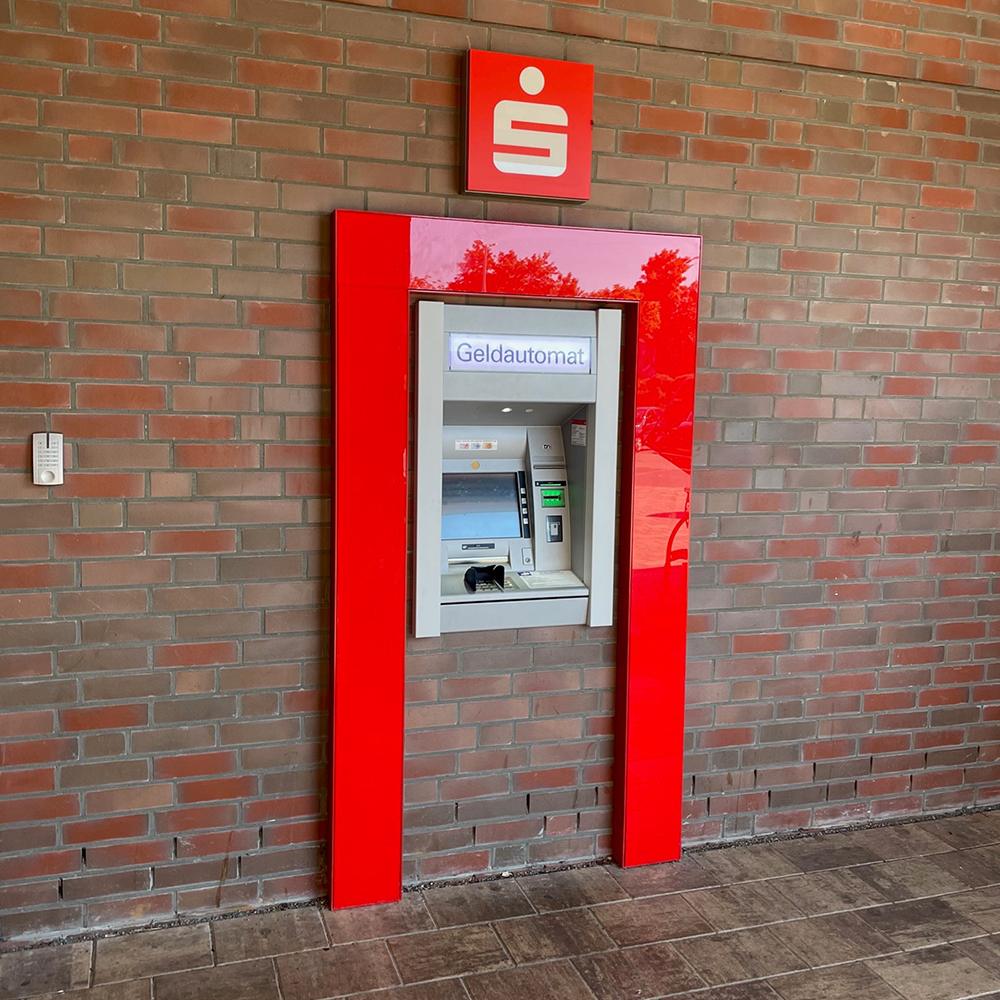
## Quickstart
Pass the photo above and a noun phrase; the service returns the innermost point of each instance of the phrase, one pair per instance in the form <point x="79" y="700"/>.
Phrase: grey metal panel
<point x="521" y="320"/>
<point x="579" y="490"/>
<point x="522" y="387"/>
<point x="546" y="462"/>
<point x="602" y="462"/>
<point x="509" y="443"/>
<point x="427" y="533"/>
<point x="482" y="412"/>
<point x="513" y="614"/>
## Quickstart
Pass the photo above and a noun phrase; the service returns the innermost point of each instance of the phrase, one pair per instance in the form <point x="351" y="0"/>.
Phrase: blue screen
<point x="480" y="505"/>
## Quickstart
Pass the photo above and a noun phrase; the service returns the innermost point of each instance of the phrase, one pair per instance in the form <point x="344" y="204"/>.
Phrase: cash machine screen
<point x="480" y="505"/>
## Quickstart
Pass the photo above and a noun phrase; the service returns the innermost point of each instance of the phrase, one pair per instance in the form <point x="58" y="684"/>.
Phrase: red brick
<point x="208" y="97"/>
<point x="738" y="16"/>
<point x="40" y="808"/>
<point x="90" y="116"/>
<point x="99" y="543"/>
<point x="41" y="47"/>
<point x="39" y="865"/>
<point x="278" y="135"/>
<point x="810" y="27"/>
<point x="714" y="150"/>
<point x="216" y="789"/>
<point x="101" y="21"/>
<point x="192" y="541"/>
<point x="107" y="717"/>
<point x="187" y="127"/>
<point x="90" y="832"/>
<point x="129" y="397"/>
<point x="874" y="36"/>
<point x="112" y="87"/>
<point x="217" y="456"/>
<point x="34" y="395"/>
<point x="209" y="220"/>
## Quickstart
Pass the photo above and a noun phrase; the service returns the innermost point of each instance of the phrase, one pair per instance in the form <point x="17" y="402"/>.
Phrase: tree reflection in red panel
<point x="656" y="276"/>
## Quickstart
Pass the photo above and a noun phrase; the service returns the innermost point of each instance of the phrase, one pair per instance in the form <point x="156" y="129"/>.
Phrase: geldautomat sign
<point x="490" y="352"/>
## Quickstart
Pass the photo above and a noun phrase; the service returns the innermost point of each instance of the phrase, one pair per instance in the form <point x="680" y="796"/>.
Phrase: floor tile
<point x="980" y="905"/>
<point x="837" y="938"/>
<point x="742" y="905"/>
<point x="361" y="923"/>
<point x="476" y="902"/>
<point x="740" y="991"/>
<point x="975" y="830"/>
<point x="917" y="903"/>
<point x="908" y="840"/>
<point x="651" y="970"/>
<point x="153" y="953"/>
<point x="654" y="880"/>
<point x="977" y="867"/>
<point x="813" y="854"/>
<point x="345" y="968"/>
<point x="262" y="935"/>
<point x="45" y="970"/>
<point x="458" y="951"/>
<point x="840" y="982"/>
<point x="828" y="892"/>
<point x="920" y="923"/>
<point x="563" y="934"/>
<point x="240" y="981"/>
<point x="441" y="989"/>
<point x="912" y="878"/>
<point x="654" y="918"/>
<point x="731" y="958"/>
<point x="983" y="951"/>
<point x="934" y="974"/>
<point x="578" y="887"/>
<point x="746" y="863"/>
<point x="555" y="981"/>
<point x="137" y="989"/>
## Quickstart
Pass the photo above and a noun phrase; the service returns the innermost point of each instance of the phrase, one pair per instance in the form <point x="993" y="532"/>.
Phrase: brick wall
<point x="167" y="172"/>
<point x="509" y="750"/>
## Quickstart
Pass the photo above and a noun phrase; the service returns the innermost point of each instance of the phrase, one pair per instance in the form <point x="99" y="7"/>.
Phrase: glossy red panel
<point x="368" y="596"/>
<point x="379" y="261"/>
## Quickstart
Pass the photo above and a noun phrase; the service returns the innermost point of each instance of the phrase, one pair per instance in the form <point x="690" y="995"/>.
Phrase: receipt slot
<point x="517" y="450"/>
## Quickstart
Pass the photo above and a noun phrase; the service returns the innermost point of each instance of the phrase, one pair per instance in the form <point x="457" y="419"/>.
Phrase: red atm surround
<point x="381" y="262"/>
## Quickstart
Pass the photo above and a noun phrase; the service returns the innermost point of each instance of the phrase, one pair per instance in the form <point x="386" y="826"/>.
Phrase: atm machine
<point x="517" y="453"/>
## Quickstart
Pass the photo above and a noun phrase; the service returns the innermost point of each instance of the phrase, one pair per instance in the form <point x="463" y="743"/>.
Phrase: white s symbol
<point x="509" y="117"/>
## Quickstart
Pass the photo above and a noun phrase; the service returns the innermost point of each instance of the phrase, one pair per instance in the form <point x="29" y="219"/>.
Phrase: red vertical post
<point x="658" y="402"/>
<point x="368" y="585"/>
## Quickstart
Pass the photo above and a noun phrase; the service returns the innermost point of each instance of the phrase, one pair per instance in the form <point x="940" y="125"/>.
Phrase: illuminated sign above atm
<point x="488" y="352"/>
<point x="529" y="126"/>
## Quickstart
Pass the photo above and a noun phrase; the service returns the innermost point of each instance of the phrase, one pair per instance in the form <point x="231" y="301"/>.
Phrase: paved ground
<point x="908" y="912"/>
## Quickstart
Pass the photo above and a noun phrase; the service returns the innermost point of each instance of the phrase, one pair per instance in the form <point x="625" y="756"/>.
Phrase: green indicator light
<point x="553" y="498"/>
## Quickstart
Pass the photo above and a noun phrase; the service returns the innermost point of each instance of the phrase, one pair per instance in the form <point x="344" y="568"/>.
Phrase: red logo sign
<point x="529" y="127"/>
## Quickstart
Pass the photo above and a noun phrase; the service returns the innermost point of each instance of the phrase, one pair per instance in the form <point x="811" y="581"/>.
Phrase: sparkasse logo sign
<point x="529" y="127"/>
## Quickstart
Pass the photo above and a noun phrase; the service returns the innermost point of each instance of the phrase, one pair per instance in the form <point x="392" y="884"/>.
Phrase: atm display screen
<point x="480" y="505"/>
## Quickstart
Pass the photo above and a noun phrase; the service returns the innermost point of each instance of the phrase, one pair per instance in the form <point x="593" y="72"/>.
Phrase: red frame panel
<point x="378" y="262"/>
